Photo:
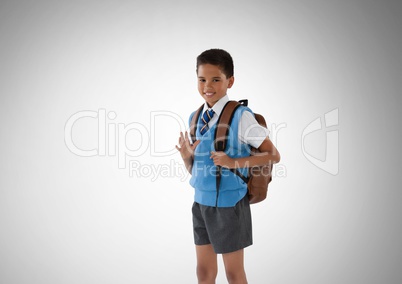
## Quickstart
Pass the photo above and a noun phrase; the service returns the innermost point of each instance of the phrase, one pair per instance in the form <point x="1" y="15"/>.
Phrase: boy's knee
<point x="205" y="273"/>
<point x="236" y="276"/>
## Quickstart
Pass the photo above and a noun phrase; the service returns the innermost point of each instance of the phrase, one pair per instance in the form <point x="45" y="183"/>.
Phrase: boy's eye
<point x="213" y="80"/>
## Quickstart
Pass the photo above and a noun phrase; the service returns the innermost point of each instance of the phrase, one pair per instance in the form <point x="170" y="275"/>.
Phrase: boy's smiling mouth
<point x="209" y="94"/>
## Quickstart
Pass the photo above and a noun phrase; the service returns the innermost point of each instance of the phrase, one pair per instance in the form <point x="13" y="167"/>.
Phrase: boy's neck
<point x="214" y="103"/>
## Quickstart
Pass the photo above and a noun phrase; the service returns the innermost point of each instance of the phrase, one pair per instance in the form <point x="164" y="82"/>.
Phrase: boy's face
<point x="212" y="83"/>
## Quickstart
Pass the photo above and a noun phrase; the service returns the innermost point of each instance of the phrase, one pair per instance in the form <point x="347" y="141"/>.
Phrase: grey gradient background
<point x="71" y="219"/>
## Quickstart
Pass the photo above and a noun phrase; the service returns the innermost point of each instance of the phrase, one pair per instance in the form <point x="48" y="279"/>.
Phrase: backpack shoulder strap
<point x="221" y="135"/>
<point x="223" y="125"/>
<point x="193" y="123"/>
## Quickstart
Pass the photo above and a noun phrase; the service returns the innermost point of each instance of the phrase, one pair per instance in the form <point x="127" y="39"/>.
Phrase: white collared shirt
<point x="250" y="132"/>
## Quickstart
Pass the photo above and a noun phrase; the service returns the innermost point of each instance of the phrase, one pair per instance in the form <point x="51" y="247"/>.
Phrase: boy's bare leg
<point x="234" y="266"/>
<point x="207" y="264"/>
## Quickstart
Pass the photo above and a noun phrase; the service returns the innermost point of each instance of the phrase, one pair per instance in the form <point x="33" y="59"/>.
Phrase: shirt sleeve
<point x="250" y="132"/>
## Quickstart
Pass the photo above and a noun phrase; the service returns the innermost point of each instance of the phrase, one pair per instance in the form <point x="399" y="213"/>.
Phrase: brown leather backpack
<point x="258" y="177"/>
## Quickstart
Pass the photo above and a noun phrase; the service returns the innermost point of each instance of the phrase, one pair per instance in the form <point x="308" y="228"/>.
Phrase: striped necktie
<point x="206" y="117"/>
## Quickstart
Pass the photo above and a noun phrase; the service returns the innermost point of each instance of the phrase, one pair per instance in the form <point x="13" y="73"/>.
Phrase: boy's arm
<point x="187" y="150"/>
<point x="268" y="154"/>
<point x="188" y="163"/>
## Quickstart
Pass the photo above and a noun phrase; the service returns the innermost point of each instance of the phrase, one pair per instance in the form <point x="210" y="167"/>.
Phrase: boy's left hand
<point x="221" y="159"/>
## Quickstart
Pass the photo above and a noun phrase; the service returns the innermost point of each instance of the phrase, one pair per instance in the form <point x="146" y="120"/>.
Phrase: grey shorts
<point x="228" y="229"/>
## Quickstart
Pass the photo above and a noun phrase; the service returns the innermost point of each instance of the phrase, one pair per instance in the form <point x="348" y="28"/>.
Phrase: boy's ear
<point x="231" y="82"/>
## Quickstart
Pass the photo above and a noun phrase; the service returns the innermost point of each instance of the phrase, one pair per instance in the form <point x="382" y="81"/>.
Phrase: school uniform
<point x="222" y="217"/>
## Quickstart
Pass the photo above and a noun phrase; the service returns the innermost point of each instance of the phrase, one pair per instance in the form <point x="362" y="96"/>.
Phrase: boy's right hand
<point x="185" y="148"/>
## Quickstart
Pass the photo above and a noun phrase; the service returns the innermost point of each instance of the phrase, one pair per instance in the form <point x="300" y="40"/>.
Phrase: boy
<point x="222" y="219"/>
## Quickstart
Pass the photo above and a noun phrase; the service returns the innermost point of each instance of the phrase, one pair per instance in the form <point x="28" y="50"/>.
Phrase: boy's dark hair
<point x="218" y="57"/>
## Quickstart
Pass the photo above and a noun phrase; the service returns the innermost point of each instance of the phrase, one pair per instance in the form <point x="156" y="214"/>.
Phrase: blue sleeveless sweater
<point x="232" y="188"/>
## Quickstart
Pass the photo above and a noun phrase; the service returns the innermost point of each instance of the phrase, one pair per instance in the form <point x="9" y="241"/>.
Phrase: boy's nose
<point x="208" y="86"/>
